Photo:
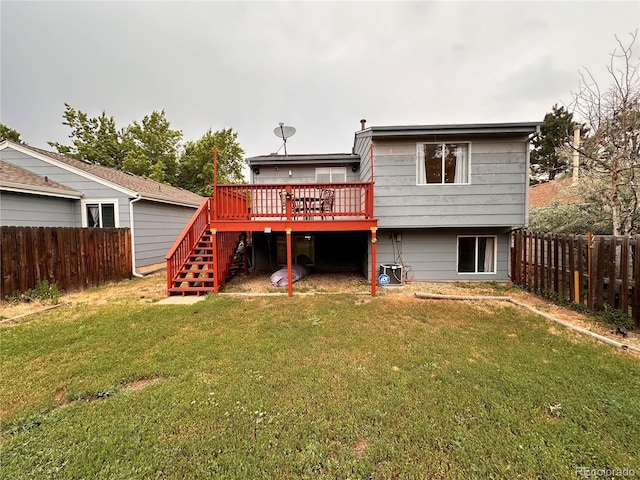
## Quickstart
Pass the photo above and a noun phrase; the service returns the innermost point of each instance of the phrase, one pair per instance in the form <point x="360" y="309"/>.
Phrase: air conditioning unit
<point x="394" y="271"/>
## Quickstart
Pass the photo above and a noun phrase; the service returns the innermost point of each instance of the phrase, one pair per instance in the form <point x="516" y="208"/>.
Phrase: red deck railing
<point x="245" y="203"/>
<point x="293" y="201"/>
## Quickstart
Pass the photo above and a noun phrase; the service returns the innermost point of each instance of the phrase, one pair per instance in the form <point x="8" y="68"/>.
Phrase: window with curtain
<point x="100" y="215"/>
<point x="477" y="254"/>
<point x="443" y="163"/>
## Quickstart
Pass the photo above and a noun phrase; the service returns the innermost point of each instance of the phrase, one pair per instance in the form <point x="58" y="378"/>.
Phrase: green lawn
<point x="312" y="387"/>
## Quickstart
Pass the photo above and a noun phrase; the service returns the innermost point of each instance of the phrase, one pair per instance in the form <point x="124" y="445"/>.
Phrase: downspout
<point x="528" y="170"/>
<point x="133" y="243"/>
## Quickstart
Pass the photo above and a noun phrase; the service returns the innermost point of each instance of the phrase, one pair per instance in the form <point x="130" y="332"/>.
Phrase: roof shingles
<point x="10" y="173"/>
<point x="146" y="187"/>
<point x="545" y="194"/>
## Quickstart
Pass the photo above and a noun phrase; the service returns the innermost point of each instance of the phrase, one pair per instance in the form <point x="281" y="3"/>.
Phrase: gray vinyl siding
<point x="26" y="210"/>
<point x="432" y="255"/>
<point x="90" y="189"/>
<point x="362" y="147"/>
<point x="156" y="228"/>
<point x="495" y="196"/>
<point x="299" y="173"/>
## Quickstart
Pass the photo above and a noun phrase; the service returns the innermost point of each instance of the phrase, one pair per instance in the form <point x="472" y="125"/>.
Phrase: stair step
<point x="190" y="291"/>
<point x="196" y="275"/>
<point x="206" y="285"/>
<point x="204" y="275"/>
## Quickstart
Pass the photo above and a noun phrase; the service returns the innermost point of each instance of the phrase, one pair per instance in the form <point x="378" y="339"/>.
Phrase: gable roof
<point x="17" y="179"/>
<point x="133" y="185"/>
<point x="544" y="195"/>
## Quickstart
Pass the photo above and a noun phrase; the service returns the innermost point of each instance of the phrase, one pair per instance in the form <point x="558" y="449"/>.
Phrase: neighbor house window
<point x="440" y="163"/>
<point x="477" y="254"/>
<point x="331" y="174"/>
<point x="100" y="214"/>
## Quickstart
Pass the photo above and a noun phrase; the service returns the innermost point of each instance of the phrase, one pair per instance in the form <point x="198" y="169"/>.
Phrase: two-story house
<point x="432" y="202"/>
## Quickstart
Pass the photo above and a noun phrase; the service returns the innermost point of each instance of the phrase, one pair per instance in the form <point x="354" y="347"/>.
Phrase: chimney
<point x="363" y="124"/>
<point x="576" y="155"/>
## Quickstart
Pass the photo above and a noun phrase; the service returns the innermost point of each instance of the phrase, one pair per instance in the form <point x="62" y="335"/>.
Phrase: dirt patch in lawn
<point x="361" y="447"/>
<point x="140" y="384"/>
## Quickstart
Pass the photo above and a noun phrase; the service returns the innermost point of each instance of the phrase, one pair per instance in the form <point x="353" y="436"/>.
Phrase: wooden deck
<point x="234" y="210"/>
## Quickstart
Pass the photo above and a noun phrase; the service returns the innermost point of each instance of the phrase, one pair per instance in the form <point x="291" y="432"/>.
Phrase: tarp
<point x="298" y="272"/>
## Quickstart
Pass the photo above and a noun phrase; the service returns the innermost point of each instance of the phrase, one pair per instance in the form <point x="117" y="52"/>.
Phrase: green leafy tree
<point x="551" y="154"/>
<point x="152" y="148"/>
<point x="195" y="171"/>
<point x="10" y="134"/>
<point x="96" y="140"/>
<point x="611" y="167"/>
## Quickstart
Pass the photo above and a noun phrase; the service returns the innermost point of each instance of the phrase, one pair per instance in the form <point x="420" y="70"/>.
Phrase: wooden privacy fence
<point x="73" y="258"/>
<point x="596" y="270"/>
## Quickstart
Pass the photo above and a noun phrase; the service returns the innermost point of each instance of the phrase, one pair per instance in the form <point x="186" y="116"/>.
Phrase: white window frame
<point x="331" y="171"/>
<point x="476" y="272"/>
<point x="420" y="170"/>
<point x="100" y="202"/>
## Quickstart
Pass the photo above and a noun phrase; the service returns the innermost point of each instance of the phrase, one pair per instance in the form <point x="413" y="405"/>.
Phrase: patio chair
<point x="328" y="199"/>
<point x="295" y="208"/>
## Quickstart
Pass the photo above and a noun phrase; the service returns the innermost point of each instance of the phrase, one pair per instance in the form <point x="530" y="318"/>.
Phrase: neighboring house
<point x="560" y="191"/>
<point x="41" y="188"/>
<point x="438" y="200"/>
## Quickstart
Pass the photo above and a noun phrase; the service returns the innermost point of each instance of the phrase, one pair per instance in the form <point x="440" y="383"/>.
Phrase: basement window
<point x="477" y="254"/>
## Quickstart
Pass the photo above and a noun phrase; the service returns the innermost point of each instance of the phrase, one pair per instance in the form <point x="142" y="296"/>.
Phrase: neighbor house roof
<point x="133" y="185"/>
<point x="17" y="179"/>
<point x="559" y="191"/>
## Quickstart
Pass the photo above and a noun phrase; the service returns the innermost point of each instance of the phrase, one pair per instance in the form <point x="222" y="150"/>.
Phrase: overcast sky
<point x="317" y="66"/>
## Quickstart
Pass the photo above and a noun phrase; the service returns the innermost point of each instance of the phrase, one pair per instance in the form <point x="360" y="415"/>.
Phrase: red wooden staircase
<point x="200" y="260"/>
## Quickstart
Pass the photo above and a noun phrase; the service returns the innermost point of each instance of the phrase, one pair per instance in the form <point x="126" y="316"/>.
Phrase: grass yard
<point x="312" y="387"/>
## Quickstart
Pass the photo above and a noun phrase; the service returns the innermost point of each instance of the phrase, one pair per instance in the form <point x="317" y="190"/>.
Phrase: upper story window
<point x="440" y="163"/>
<point x="331" y="174"/>
<point x="99" y="214"/>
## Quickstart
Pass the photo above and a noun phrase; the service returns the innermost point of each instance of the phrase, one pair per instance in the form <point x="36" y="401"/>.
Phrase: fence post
<point x="635" y="301"/>
<point x="624" y="274"/>
<point x="612" y="286"/>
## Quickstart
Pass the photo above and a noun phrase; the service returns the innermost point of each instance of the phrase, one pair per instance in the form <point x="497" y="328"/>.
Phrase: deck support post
<point x="245" y="259"/>
<point x="289" y="264"/>
<point x="374" y="241"/>
<point x="214" y="262"/>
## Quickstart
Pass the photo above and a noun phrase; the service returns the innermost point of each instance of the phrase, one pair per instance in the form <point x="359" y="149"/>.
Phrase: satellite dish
<point x="282" y="131"/>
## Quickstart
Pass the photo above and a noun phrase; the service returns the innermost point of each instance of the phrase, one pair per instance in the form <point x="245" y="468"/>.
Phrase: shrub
<point x="44" y="292"/>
